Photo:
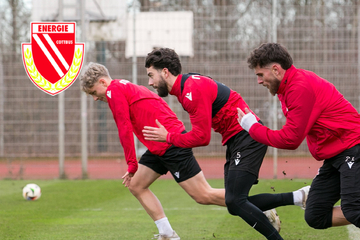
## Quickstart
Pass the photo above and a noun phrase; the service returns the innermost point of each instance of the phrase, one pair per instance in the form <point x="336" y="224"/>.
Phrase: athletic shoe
<point x="305" y="192"/>
<point x="174" y="236"/>
<point x="273" y="218"/>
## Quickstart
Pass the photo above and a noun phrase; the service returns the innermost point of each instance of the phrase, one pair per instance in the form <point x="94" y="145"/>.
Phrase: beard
<point x="162" y="88"/>
<point x="274" y="86"/>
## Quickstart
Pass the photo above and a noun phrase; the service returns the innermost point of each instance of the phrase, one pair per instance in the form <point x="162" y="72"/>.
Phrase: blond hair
<point x="91" y="75"/>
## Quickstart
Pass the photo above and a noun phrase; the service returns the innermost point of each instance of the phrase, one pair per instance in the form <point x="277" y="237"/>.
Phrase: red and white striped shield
<point x="53" y="59"/>
<point x="53" y="48"/>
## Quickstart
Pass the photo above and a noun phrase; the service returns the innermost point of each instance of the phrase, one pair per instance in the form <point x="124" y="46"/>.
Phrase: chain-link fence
<point x="322" y="36"/>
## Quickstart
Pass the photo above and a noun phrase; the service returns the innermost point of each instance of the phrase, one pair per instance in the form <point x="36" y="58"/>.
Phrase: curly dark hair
<point x="164" y="58"/>
<point x="270" y="53"/>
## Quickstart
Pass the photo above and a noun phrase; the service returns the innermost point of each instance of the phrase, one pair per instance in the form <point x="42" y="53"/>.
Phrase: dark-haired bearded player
<point x="315" y="110"/>
<point x="211" y="104"/>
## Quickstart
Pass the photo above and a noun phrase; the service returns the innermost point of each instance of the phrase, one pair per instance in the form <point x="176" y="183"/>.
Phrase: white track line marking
<point x="354" y="232"/>
<point x="179" y="209"/>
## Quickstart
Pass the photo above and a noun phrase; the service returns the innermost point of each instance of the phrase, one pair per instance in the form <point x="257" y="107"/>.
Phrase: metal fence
<point x="322" y="36"/>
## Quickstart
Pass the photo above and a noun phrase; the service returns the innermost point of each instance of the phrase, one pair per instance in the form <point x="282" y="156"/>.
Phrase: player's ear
<point x="165" y="71"/>
<point x="103" y="82"/>
<point x="275" y="69"/>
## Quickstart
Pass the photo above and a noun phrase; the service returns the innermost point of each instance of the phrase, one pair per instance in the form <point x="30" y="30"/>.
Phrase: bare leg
<point x="338" y="218"/>
<point x="200" y="190"/>
<point x="139" y="187"/>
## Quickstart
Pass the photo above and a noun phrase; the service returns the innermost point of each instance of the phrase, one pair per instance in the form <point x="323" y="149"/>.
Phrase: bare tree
<point x="14" y="22"/>
<point x="14" y="25"/>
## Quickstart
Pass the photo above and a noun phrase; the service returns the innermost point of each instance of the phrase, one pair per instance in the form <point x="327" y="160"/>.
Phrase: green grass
<point x="104" y="209"/>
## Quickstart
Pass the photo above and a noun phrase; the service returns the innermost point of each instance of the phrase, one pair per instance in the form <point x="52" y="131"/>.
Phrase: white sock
<point x="164" y="227"/>
<point x="298" y="198"/>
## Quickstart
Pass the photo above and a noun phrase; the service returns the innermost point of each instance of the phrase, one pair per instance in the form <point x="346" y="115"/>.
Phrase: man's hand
<point x="127" y="179"/>
<point x="247" y="119"/>
<point x="155" y="134"/>
<point x="241" y="114"/>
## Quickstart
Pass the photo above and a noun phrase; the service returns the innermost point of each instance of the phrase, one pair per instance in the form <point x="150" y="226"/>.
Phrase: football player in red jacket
<point x="315" y="110"/>
<point x="211" y="104"/>
<point x="134" y="107"/>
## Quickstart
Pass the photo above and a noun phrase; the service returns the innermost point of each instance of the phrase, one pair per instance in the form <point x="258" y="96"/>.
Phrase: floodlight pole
<point x="134" y="64"/>
<point x="61" y="105"/>
<point x="274" y="99"/>
<point x="84" y="153"/>
<point x="134" y="58"/>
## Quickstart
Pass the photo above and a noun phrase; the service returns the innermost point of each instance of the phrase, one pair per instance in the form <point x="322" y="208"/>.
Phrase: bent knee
<point x="136" y="189"/>
<point x="234" y="205"/>
<point x="133" y="190"/>
<point x="353" y="217"/>
<point x="232" y="210"/>
<point x="318" y="221"/>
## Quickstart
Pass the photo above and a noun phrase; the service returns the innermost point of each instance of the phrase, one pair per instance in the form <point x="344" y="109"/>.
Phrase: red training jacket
<point x="134" y="107"/>
<point x="197" y="99"/>
<point x="314" y="109"/>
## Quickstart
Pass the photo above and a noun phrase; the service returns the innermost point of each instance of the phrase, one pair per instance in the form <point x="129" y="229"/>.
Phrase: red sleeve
<point x="120" y="109"/>
<point x="199" y="107"/>
<point x="300" y="103"/>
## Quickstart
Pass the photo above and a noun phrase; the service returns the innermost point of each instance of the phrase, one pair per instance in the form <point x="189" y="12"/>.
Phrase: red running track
<point x="213" y="168"/>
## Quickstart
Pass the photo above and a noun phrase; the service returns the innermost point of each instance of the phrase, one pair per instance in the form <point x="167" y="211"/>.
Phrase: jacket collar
<point x="176" y="89"/>
<point x="286" y="79"/>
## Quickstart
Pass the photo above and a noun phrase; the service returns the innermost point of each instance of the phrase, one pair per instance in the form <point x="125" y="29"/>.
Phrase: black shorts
<point x="179" y="161"/>
<point x="244" y="153"/>
<point x="338" y="178"/>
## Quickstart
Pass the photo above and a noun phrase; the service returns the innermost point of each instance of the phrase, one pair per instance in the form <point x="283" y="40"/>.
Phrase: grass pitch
<point x="104" y="209"/>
